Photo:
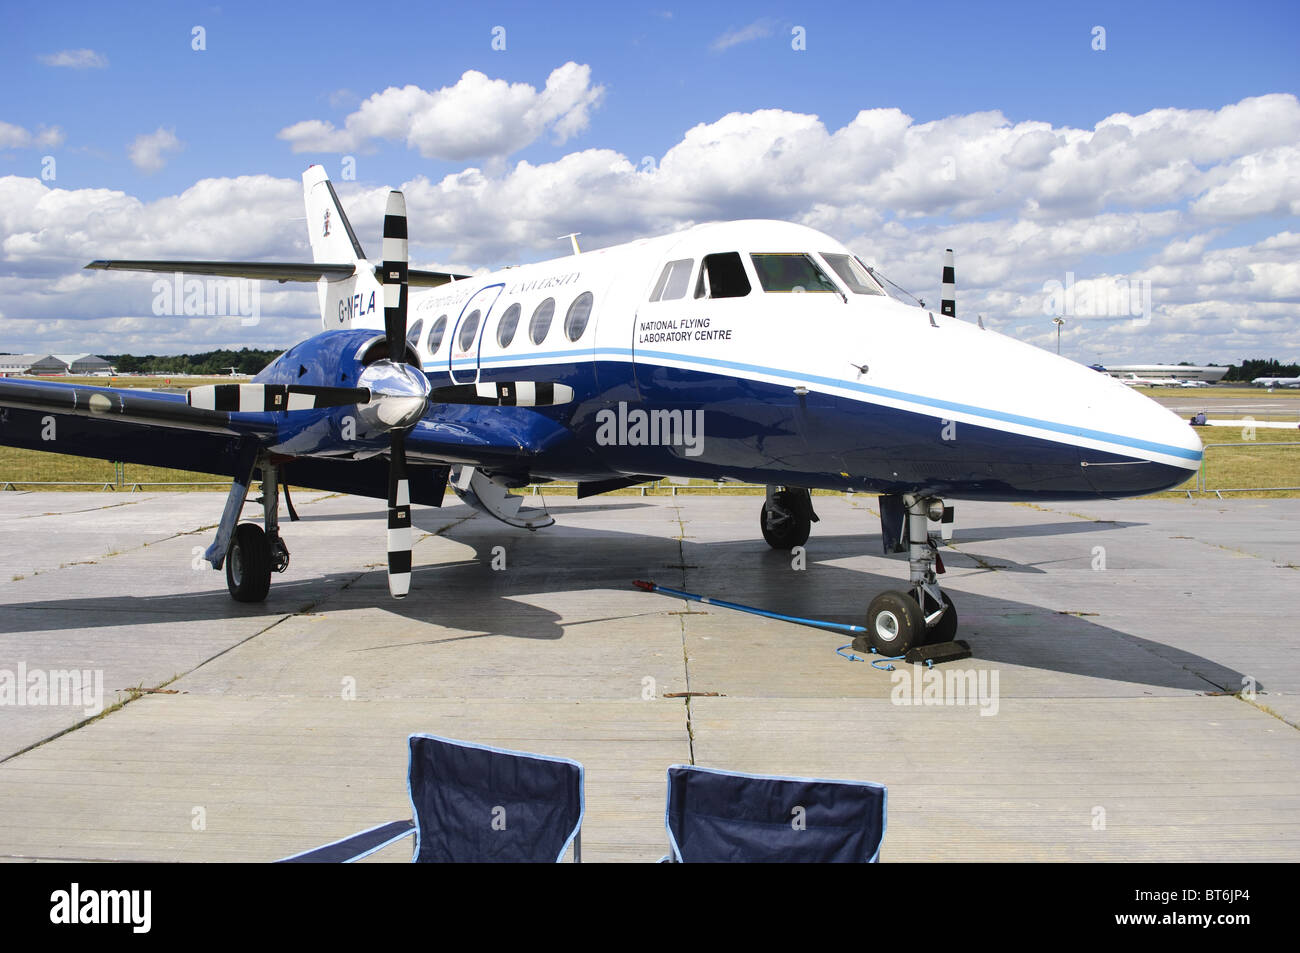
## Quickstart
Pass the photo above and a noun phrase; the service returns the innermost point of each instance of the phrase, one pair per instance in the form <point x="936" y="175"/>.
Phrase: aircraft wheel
<point x="945" y="630"/>
<point x="894" y="623"/>
<point x="789" y="532"/>
<point x="248" y="564"/>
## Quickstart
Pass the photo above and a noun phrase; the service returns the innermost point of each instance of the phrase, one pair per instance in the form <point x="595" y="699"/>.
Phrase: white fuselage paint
<point x="916" y="359"/>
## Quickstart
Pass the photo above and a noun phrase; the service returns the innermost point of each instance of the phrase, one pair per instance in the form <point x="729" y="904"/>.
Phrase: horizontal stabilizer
<point x="265" y="270"/>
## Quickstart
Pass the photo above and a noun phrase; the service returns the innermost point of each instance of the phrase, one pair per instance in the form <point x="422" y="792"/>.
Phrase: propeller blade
<point x="394" y="274"/>
<point x="504" y="394"/>
<point x="948" y="305"/>
<point x="399" y="521"/>
<point x="262" y="398"/>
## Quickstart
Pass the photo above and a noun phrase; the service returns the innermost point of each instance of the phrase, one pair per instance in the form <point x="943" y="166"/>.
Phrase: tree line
<point x="245" y="361"/>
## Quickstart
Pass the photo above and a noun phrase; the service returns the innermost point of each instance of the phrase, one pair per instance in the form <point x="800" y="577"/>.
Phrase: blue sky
<point x="660" y="70"/>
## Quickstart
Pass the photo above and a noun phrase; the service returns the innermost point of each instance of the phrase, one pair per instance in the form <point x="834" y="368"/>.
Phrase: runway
<point x="1112" y="636"/>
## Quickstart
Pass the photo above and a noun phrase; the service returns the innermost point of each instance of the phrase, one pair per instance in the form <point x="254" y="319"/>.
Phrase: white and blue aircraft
<point x="754" y="351"/>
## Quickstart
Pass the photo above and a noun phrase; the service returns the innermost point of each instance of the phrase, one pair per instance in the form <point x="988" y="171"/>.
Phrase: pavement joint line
<point x="1266" y="710"/>
<point x="135" y="694"/>
<point x="91" y="509"/>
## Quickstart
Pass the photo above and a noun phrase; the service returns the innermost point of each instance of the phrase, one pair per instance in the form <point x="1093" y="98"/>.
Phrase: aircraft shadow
<point x="473" y="601"/>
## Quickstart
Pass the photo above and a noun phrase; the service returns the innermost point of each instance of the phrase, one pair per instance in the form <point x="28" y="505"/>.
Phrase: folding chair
<point x="473" y="803"/>
<point x="718" y="816"/>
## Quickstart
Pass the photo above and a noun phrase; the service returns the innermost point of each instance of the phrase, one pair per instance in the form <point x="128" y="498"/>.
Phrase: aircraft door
<point x="463" y="349"/>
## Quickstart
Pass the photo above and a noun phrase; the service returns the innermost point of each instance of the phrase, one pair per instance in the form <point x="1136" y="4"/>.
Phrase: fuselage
<point x="762" y="352"/>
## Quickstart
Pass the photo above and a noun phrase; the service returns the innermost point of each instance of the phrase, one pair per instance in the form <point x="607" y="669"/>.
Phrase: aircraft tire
<point x="248" y="564"/>
<point x="792" y="532"/>
<point x="894" y="623"/>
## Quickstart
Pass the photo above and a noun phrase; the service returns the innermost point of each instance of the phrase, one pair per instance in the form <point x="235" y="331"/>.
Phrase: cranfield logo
<point x="66" y="688"/>
<point x="214" y="298"/>
<point x="75" y="905"/>
<point x="1099" y="298"/>
<point x="651" y="428"/>
<point x="948" y="686"/>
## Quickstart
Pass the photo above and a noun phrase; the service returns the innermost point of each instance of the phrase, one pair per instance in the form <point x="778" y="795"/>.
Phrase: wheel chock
<point x="939" y="652"/>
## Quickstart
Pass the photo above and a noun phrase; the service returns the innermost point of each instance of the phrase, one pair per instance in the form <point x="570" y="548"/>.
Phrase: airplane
<point x="755" y="351"/>
<point x="1132" y="380"/>
<point x="1276" y="382"/>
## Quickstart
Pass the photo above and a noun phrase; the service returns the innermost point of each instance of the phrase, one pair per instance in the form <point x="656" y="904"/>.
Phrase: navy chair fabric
<point x="474" y="803"/>
<point x="725" y="816"/>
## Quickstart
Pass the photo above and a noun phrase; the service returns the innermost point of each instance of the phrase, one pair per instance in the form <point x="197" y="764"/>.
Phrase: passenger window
<point x="674" y="281"/>
<point x="852" y="274"/>
<point x="784" y="272"/>
<point x="467" y="330"/>
<point x="540" y="322"/>
<point x="575" y="322"/>
<point x="435" y="334"/>
<point x="509" y="321"/>
<point x="722" y="276"/>
<point x="413" y="335"/>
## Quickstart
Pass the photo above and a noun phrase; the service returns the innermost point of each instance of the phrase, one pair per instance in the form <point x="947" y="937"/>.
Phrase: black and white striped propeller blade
<point x="394" y="275"/>
<point x="262" y="398"/>
<point x="399" y="521"/>
<point x="504" y="394"/>
<point x="948" y="303"/>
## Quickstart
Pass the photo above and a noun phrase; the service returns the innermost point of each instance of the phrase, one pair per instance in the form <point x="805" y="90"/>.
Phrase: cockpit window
<point x="722" y="276"/>
<point x="852" y="274"/>
<point x="793" y="271"/>
<point x="674" y="281"/>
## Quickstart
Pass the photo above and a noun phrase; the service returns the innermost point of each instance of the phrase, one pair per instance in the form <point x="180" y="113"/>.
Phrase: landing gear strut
<point x="250" y="553"/>
<point x="787" y="517"/>
<point x="899" y="621"/>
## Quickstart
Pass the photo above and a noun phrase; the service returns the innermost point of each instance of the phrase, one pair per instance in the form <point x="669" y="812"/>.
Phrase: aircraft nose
<point x="1150" y="447"/>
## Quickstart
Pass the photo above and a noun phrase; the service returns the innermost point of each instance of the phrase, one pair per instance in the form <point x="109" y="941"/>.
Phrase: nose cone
<point x="1140" y="446"/>
<point x="399" y="394"/>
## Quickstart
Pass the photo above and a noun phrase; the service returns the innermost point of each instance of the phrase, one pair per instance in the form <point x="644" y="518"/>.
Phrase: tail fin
<point x="354" y="300"/>
<point x="332" y="238"/>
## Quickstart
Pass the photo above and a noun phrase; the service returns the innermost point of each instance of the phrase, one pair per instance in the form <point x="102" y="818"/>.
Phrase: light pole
<point x="1058" y="322"/>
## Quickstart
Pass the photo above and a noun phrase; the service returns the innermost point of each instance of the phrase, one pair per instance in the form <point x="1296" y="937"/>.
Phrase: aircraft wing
<point x="281" y="271"/>
<point x="161" y="429"/>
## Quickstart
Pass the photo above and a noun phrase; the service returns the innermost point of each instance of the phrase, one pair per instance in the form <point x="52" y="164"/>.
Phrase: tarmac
<point x="1134" y="692"/>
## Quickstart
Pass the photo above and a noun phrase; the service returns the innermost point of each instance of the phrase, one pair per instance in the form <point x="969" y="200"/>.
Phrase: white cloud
<point x="745" y="34"/>
<point x="16" y="137"/>
<point x="1152" y="197"/>
<point x="149" y="150"/>
<point x="75" y="59"/>
<point x="478" y="117"/>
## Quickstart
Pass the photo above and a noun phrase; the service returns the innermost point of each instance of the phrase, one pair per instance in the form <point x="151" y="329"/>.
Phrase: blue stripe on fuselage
<point x="501" y="360"/>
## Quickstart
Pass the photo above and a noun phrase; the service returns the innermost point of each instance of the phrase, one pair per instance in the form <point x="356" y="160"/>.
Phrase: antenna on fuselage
<point x="573" y="240"/>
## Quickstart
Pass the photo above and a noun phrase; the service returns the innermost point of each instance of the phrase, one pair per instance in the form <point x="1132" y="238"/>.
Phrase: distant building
<point x="11" y="365"/>
<point x="1181" y="372"/>
<point x="86" y="364"/>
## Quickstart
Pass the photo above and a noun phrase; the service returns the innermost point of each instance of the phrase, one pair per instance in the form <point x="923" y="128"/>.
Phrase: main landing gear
<point x="250" y="553"/>
<point x="923" y="615"/>
<point x="787" y="517"/>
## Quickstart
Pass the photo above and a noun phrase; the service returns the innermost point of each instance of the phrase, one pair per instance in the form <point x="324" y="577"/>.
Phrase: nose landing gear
<point x="924" y="615"/>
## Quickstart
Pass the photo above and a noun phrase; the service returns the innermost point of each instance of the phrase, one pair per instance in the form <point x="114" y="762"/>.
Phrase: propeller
<point x="394" y="273"/>
<point x="948" y="304"/>
<point x="261" y="398"/>
<point x="504" y="394"/>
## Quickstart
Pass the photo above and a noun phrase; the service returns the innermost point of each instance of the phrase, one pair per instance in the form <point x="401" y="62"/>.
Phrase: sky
<point x="1134" y="167"/>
